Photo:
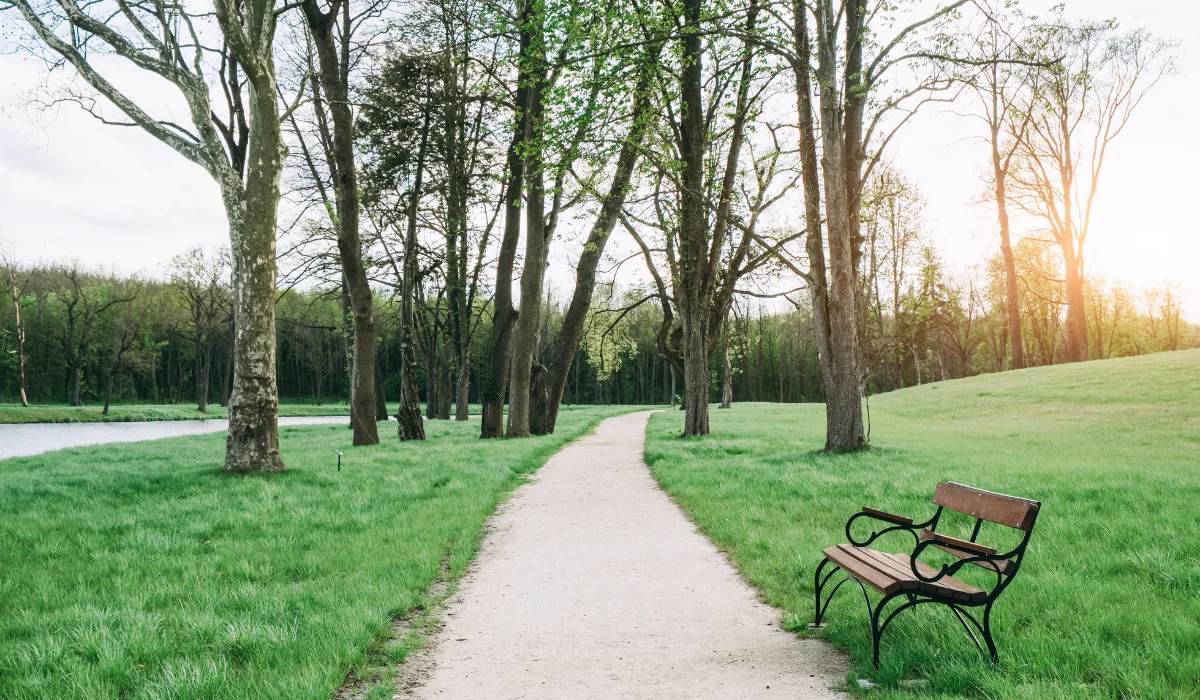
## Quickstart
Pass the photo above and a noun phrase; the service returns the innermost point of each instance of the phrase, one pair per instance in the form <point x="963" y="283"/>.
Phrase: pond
<point x="34" y="438"/>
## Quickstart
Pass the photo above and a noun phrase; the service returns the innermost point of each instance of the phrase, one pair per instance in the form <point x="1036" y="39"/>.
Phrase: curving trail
<point x="593" y="585"/>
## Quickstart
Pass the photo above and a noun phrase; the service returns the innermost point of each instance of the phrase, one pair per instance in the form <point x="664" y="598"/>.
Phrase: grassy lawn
<point x="140" y="571"/>
<point x="1107" y="604"/>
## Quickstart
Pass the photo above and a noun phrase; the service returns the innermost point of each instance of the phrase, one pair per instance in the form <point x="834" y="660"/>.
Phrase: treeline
<point x="92" y="338"/>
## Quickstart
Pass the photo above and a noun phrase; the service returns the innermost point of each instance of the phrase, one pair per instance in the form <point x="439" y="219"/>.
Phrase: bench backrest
<point x="1010" y="511"/>
<point x="1019" y="513"/>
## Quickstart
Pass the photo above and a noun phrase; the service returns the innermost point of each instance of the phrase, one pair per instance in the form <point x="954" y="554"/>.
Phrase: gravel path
<point x="593" y="585"/>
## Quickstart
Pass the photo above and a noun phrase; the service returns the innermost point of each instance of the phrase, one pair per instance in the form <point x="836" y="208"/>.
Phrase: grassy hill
<point x="1107" y="604"/>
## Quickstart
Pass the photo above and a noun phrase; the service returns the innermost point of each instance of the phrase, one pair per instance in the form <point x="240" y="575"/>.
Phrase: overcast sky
<point x="114" y="197"/>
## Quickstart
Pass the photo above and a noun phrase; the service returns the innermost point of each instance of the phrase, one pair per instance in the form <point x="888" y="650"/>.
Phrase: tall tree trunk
<point x="494" y="380"/>
<point x="252" y="443"/>
<point x="445" y="381"/>
<point x="20" y="344"/>
<point x="432" y="378"/>
<point x="458" y="321"/>
<point x="702" y="295"/>
<point x="334" y="70"/>
<point x="462" y="386"/>
<point x="1013" y="300"/>
<point x="549" y="385"/>
<point x="409" y="425"/>
<point x="77" y="382"/>
<point x="691" y="295"/>
<point x="205" y="350"/>
<point x="1077" y="335"/>
<point x="347" y="323"/>
<point x="726" y="370"/>
<point x="843" y="396"/>
<point x="108" y="393"/>
<point x="526" y="334"/>
<point x="381" y="411"/>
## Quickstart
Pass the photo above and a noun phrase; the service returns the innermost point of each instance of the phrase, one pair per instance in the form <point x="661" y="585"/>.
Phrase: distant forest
<point x="91" y="337"/>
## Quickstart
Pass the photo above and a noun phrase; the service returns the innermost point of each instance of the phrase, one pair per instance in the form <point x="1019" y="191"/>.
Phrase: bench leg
<point x="987" y="635"/>
<point x="876" y="630"/>
<point x="818" y="585"/>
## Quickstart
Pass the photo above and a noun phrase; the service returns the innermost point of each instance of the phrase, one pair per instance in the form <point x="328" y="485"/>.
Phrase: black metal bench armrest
<point x="896" y="522"/>
<point x="966" y="551"/>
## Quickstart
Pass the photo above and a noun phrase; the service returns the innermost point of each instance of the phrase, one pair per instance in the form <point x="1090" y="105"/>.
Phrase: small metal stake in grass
<point x="339" y="454"/>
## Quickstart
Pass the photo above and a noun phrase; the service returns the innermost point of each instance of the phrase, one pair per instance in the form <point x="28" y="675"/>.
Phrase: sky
<point x="113" y="197"/>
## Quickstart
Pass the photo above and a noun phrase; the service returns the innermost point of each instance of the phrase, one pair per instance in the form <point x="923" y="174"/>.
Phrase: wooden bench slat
<point x="901" y="566"/>
<point x="845" y="557"/>
<point x="998" y="508"/>
<point x="891" y="573"/>
<point x="961" y="590"/>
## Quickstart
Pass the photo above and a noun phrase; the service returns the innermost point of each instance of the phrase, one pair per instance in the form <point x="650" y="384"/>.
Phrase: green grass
<point x="1107" y="604"/>
<point x="141" y="571"/>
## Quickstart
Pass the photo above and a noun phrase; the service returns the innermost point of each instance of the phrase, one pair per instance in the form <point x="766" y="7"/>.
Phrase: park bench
<point x="904" y="575"/>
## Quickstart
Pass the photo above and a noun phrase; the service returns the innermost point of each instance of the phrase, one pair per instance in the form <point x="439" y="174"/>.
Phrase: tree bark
<point x="462" y="387"/>
<point x="20" y="344"/>
<point x="445" y="380"/>
<point x="843" y="395"/>
<point x="701" y="293"/>
<point x="1077" y="335"/>
<point x="108" y="393"/>
<point x="77" y="382"/>
<point x="433" y="371"/>
<point x="409" y="425"/>
<point x="205" y="350"/>
<point x="333" y="75"/>
<point x="726" y="371"/>
<point x="548" y="385"/>
<point x="494" y="379"/>
<point x="454" y="147"/>
<point x="381" y="411"/>
<point x="526" y="335"/>
<point x="1012" y="298"/>
<point x="252" y="443"/>
<point x="693" y="228"/>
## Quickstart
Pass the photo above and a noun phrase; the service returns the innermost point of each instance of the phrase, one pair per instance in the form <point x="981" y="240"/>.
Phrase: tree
<point x="16" y="281"/>
<point x="331" y="31"/>
<point x="83" y="303"/>
<point x="124" y="336"/>
<point x="1079" y="105"/>
<point x="1007" y="70"/>
<point x="200" y="281"/>
<point x="706" y="249"/>
<point x="504" y="314"/>
<point x="550" y="378"/>
<point x="853" y="117"/>
<point x="398" y="115"/>
<point x="242" y="151"/>
<point x="467" y="100"/>
<point x="537" y="234"/>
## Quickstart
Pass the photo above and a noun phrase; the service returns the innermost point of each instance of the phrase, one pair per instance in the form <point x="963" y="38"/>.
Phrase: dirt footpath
<point x="593" y="585"/>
